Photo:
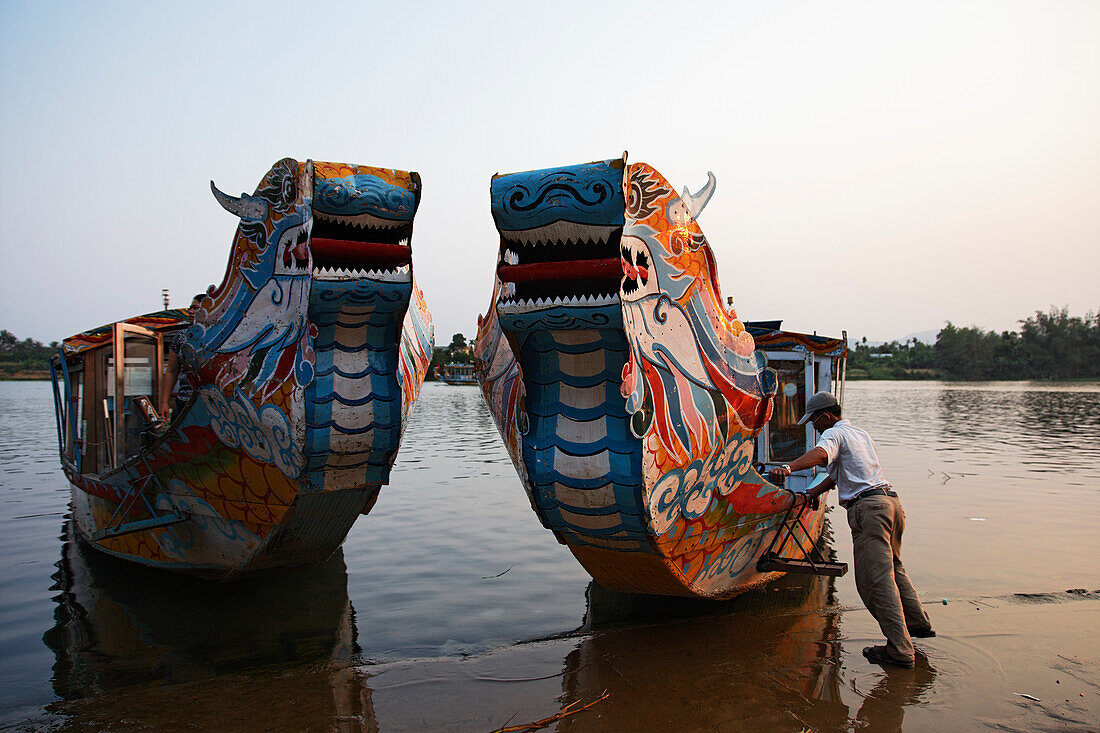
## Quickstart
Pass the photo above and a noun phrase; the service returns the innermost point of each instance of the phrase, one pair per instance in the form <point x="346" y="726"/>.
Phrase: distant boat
<point x="630" y="398"/>
<point x="458" y="374"/>
<point x="305" y="363"/>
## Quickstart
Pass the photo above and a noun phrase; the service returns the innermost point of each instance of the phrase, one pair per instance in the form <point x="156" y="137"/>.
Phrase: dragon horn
<point x="697" y="201"/>
<point x="243" y="206"/>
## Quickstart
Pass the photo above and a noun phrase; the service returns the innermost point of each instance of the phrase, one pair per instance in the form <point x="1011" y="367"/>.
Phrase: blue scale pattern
<point x="540" y="359"/>
<point x="380" y="308"/>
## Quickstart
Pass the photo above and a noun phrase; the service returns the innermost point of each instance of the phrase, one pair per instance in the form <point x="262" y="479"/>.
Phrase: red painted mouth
<point x="561" y="270"/>
<point x="356" y="255"/>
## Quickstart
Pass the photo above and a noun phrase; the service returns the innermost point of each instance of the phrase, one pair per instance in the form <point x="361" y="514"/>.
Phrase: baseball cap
<point x="818" y="401"/>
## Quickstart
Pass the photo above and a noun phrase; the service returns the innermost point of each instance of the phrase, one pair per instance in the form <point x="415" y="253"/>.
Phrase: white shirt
<point x="853" y="461"/>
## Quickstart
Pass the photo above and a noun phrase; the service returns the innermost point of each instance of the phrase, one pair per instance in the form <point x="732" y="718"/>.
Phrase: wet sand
<point x="785" y="658"/>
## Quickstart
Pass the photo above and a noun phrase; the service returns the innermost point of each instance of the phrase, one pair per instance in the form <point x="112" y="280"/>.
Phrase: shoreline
<point x="1014" y="662"/>
<point x="949" y="380"/>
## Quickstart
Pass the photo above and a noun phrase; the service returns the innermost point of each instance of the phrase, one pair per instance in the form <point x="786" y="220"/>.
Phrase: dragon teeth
<point x="562" y="232"/>
<point x="361" y="221"/>
<point x="508" y="306"/>
<point x="401" y="274"/>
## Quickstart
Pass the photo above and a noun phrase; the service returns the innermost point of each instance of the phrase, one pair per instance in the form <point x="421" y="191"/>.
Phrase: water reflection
<point x="118" y="624"/>
<point x="883" y="706"/>
<point x="767" y="660"/>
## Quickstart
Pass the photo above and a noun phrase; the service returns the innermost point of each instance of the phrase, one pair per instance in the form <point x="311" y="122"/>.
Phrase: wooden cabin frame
<point x="782" y="440"/>
<point x="98" y="437"/>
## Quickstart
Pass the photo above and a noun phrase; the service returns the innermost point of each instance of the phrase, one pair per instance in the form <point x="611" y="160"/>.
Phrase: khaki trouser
<point x="877" y="523"/>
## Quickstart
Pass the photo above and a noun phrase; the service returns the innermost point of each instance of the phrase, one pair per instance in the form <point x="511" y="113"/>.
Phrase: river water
<point x="451" y="608"/>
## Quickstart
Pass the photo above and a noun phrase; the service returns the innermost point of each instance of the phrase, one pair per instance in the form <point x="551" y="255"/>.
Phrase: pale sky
<point x="882" y="167"/>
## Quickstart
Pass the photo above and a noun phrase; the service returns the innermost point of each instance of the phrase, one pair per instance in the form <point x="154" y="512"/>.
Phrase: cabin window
<point x="93" y="425"/>
<point x="111" y="428"/>
<point x="68" y="378"/>
<point x="139" y="374"/>
<point x="786" y="438"/>
<point x="74" y="418"/>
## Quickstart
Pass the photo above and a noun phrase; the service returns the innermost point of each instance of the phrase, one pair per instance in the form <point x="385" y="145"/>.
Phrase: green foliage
<point x="1050" y="345"/>
<point x="911" y="359"/>
<point x="1056" y="346"/>
<point x="458" y="352"/>
<point x="26" y="359"/>
<point x="966" y="353"/>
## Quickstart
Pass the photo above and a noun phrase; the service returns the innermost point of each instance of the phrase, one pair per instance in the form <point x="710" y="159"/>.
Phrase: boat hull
<point x="237" y="514"/>
<point x="662" y="573"/>
<point x="314" y="528"/>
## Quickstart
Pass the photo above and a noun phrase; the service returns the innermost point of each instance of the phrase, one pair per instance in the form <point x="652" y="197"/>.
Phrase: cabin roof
<point x="158" y="321"/>
<point x="773" y="338"/>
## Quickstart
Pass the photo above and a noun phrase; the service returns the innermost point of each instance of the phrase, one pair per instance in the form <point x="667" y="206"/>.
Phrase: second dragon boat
<point x="628" y="396"/>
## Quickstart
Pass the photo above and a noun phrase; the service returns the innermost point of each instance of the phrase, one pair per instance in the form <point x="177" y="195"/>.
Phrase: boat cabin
<point x="106" y="390"/>
<point x="804" y="364"/>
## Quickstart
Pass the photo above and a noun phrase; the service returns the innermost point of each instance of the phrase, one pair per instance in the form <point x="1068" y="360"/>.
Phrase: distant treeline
<point x="26" y="359"/>
<point x="458" y="352"/>
<point x="1050" y="345"/>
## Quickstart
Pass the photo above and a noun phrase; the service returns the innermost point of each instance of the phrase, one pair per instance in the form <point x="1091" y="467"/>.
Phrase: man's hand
<point x="814" y="457"/>
<point x="779" y="474"/>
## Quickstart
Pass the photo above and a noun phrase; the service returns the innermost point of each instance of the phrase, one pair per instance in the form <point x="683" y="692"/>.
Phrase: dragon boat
<point x="305" y="362"/>
<point x="630" y="398"/>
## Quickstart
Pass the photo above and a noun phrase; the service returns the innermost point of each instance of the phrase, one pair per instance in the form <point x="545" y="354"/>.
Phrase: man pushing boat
<point x="877" y="521"/>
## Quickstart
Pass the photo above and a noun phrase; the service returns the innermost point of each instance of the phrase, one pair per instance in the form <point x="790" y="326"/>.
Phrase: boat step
<point x="810" y="558"/>
<point x="140" y="525"/>
<point x="770" y="563"/>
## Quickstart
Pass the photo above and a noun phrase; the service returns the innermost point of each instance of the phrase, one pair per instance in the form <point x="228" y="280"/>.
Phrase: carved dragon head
<point x="607" y="240"/>
<point x="306" y="224"/>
